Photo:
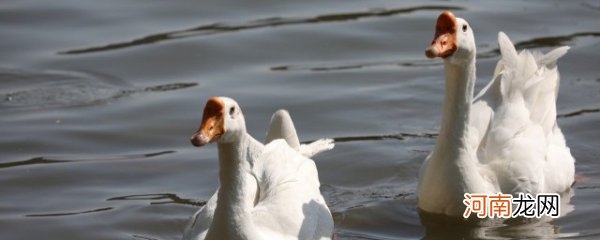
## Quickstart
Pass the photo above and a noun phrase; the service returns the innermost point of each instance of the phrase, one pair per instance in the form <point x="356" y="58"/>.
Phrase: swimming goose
<point x="265" y="191"/>
<point x="505" y="140"/>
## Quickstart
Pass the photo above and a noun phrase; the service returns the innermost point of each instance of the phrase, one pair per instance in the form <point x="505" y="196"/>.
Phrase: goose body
<point x="266" y="191"/>
<point x="506" y="139"/>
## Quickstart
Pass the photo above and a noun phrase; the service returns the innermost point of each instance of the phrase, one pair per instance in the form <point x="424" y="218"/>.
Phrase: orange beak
<point x="212" y="126"/>
<point x="444" y="43"/>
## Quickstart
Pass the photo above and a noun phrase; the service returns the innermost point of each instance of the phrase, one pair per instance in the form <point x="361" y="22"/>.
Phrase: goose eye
<point x="464" y="28"/>
<point x="231" y="111"/>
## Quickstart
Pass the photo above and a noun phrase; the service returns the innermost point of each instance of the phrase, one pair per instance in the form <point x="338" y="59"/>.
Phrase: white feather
<point x="282" y="127"/>
<point x="266" y="191"/>
<point x="512" y="142"/>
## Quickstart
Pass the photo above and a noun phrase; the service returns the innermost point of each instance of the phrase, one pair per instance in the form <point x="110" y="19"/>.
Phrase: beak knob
<point x="431" y="51"/>
<point x="199" y="139"/>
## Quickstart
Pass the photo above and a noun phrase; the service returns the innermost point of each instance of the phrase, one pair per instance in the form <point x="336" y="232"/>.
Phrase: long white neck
<point x="452" y="169"/>
<point x="460" y="81"/>
<point x="237" y="191"/>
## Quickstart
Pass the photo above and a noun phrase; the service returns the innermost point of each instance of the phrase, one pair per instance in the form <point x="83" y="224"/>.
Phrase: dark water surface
<point x="98" y="100"/>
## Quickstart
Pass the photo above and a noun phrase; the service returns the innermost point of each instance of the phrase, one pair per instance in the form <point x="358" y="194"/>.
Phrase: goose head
<point x="222" y="121"/>
<point x="454" y="41"/>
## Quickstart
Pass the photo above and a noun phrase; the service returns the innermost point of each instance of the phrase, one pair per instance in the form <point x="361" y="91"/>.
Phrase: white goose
<point x="266" y="191"/>
<point x="506" y="139"/>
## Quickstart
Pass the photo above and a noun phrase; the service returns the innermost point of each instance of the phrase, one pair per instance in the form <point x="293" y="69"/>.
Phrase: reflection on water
<point x="465" y="230"/>
<point x="443" y="227"/>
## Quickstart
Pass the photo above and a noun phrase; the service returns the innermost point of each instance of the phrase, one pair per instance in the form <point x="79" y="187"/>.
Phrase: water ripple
<point x="541" y="42"/>
<point x="34" y="89"/>
<point x="351" y="66"/>
<point x="380" y="137"/>
<point x="218" y="28"/>
<point x="45" y="160"/>
<point x="578" y="113"/>
<point x="36" y="160"/>
<point x="144" y="237"/>
<point x="405" y="136"/>
<point x="164" y="197"/>
<point x="69" y="213"/>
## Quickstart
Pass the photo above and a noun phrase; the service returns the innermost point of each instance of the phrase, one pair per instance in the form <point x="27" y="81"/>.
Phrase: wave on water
<point x="43" y="89"/>
<point x="220" y="28"/>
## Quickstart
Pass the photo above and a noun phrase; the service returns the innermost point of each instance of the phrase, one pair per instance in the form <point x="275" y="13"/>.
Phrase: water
<point x="98" y="100"/>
